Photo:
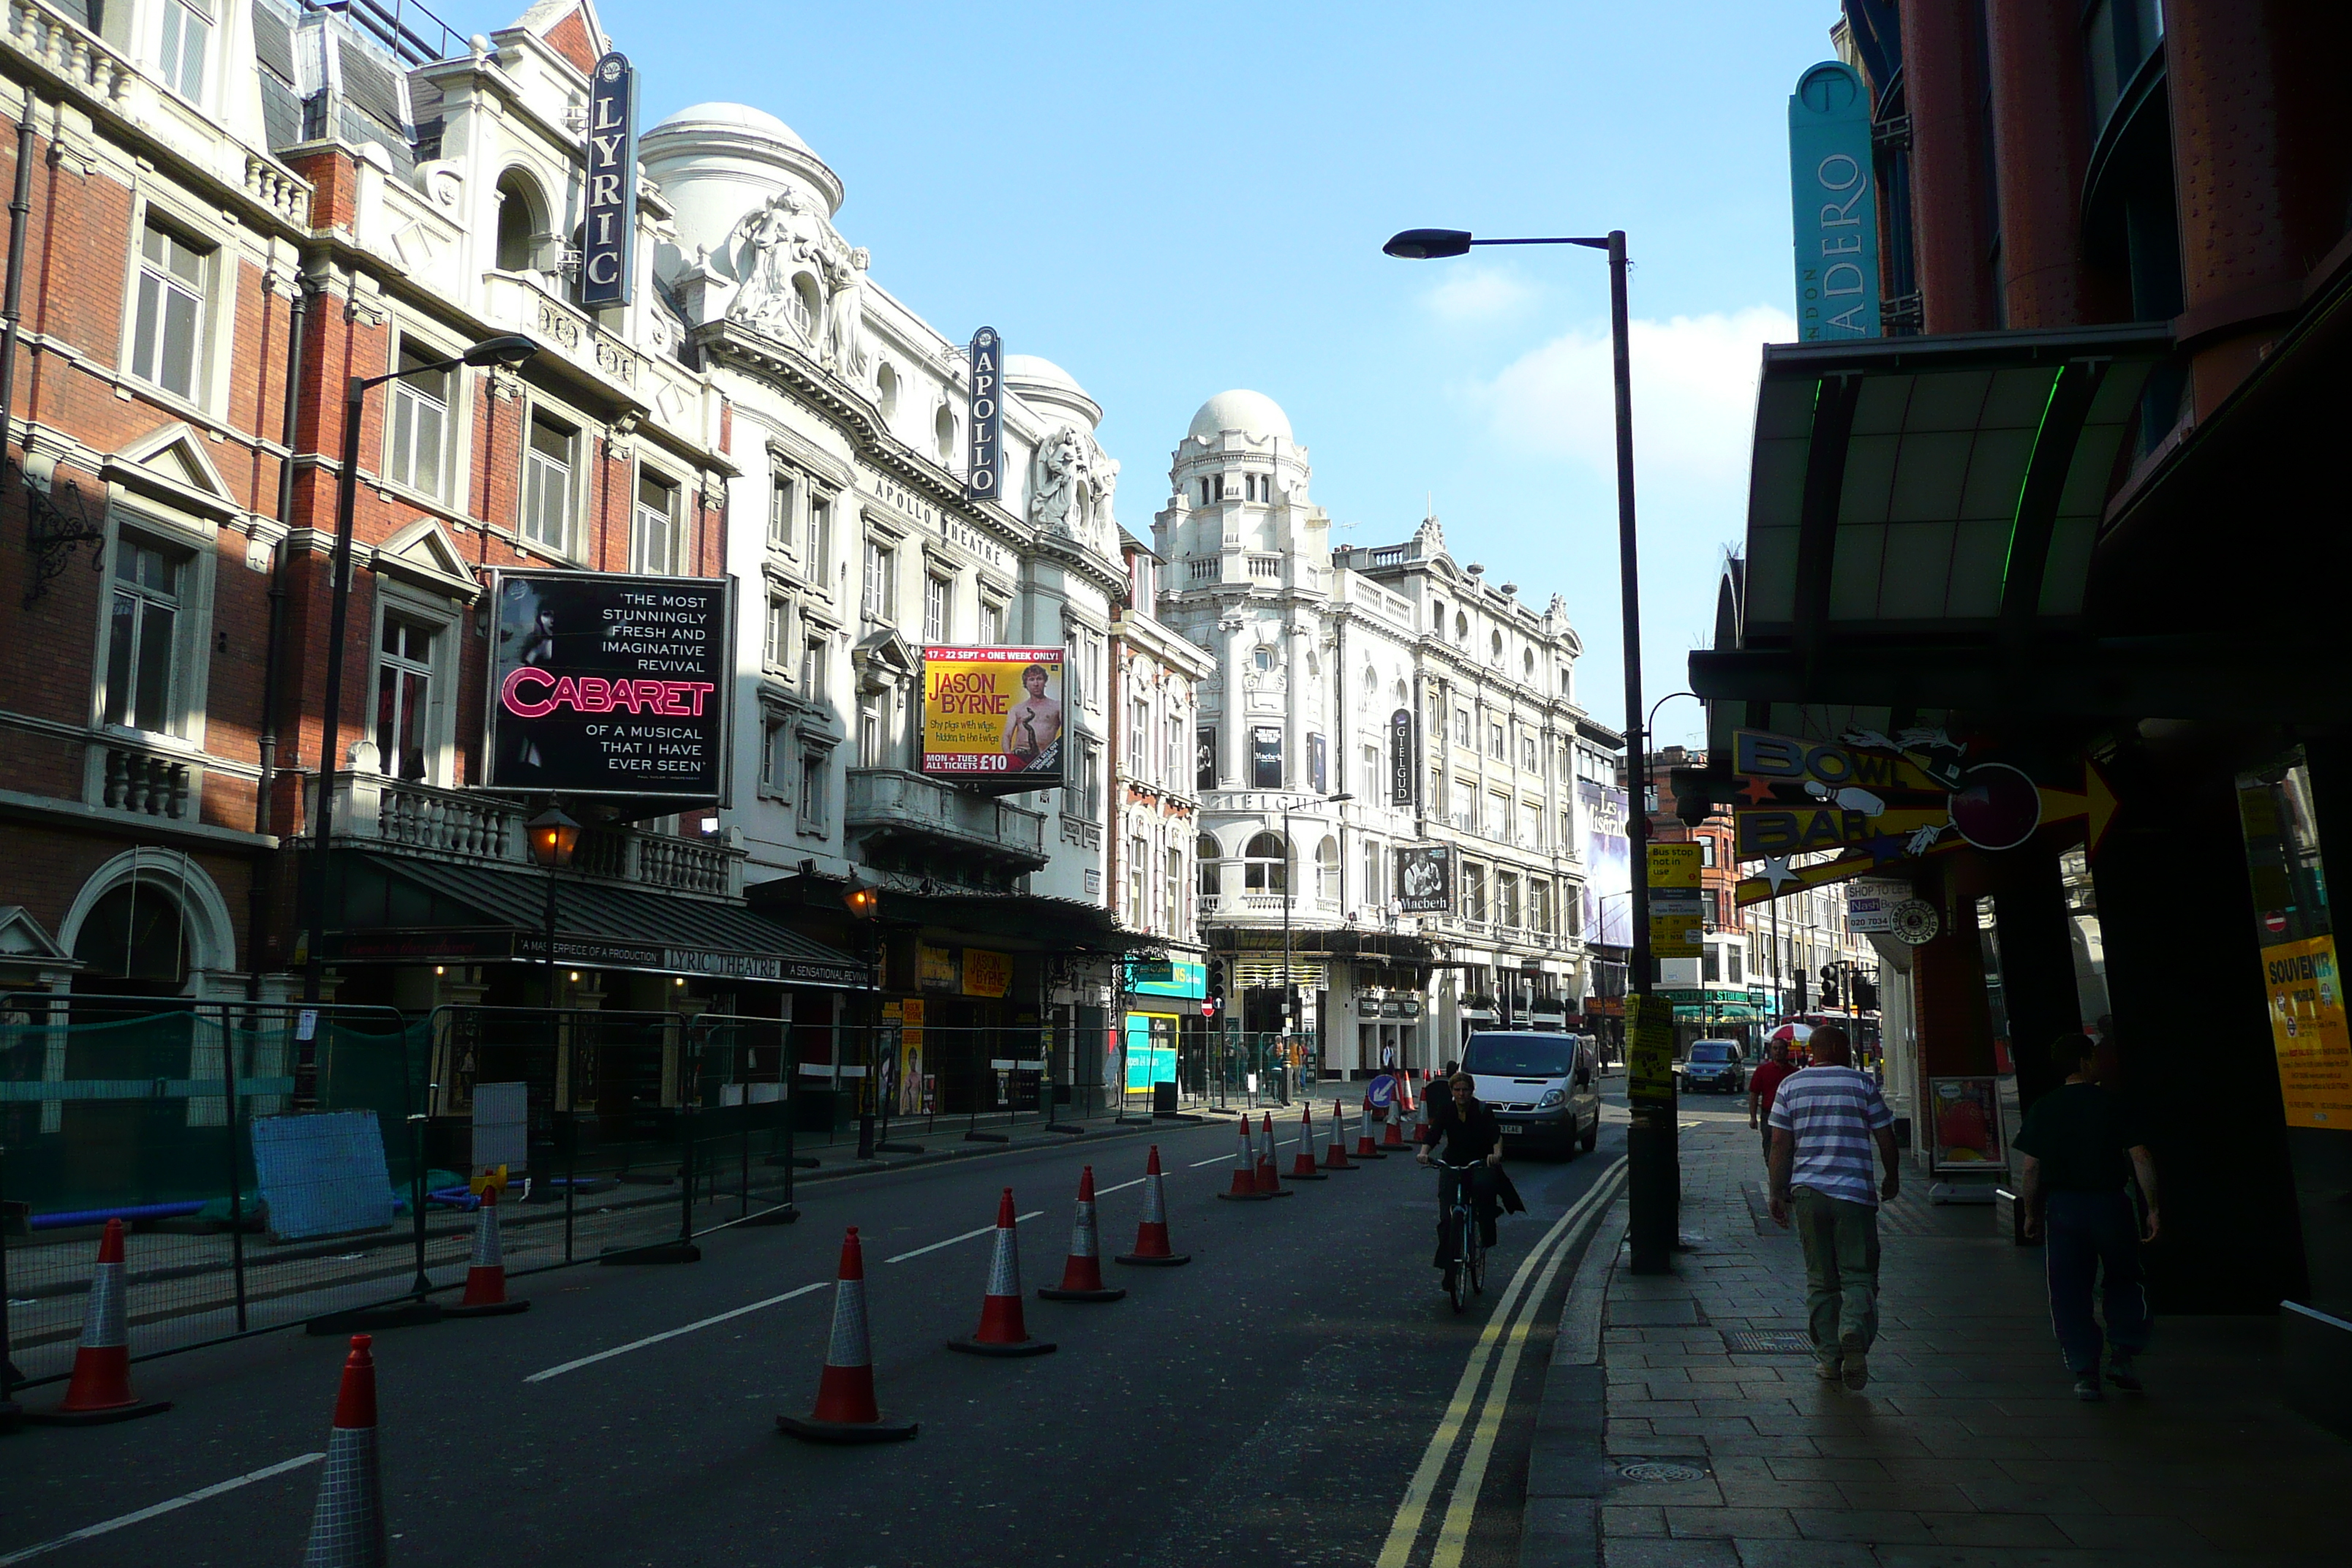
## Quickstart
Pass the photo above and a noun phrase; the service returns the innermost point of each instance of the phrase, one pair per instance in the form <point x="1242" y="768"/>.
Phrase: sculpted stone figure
<point x="1058" y="477"/>
<point x="782" y="240"/>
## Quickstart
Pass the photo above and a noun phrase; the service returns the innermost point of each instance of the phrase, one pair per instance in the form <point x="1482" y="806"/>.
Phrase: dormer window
<point x="186" y="36"/>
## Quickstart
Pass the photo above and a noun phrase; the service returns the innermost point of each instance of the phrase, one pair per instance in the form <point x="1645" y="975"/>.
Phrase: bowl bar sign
<point x="605" y="684"/>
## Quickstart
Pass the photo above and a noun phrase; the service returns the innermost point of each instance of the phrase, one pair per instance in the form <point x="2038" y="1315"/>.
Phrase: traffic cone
<point x="1302" y="1164"/>
<point x="100" y="1387"/>
<point x="347" y="1524"/>
<point x="486" y="1279"/>
<point x="1335" y="1157"/>
<point x="1151" y="1249"/>
<point x="1244" y="1186"/>
<point x="1001" y="1331"/>
<point x="1392" y="1130"/>
<point x="1082" y="1277"/>
<point x="1365" y="1148"/>
<point x="846" y="1412"/>
<point x="1269" y="1180"/>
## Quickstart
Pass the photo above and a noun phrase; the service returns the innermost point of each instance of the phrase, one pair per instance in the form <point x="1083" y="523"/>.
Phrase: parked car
<point x="1715" y="1066"/>
<point x="1539" y="1087"/>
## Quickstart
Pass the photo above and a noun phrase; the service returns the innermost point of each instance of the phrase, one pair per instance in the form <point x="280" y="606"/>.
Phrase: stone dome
<point x="739" y="117"/>
<point x="1044" y="386"/>
<point x="1253" y="414"/>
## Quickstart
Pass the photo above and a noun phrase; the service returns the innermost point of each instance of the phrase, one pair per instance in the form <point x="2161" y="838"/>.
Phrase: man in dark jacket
<point x="1470" y="1133"/>
<point x="2080" y="1154"/>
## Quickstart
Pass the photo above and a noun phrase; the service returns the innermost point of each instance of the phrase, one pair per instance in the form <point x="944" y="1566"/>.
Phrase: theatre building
<point x="2052" y="543"/>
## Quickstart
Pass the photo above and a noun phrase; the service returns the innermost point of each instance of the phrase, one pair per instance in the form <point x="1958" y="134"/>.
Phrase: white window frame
<point x="783" y="508"/>
<point x="444" y="616"/>
<point x="404" y="400"/>
<point x="205" y="246"/>
<point x="816" y="536"/>
<point x="776" y="633"/>
<point x="643" y="559"/>
<point x="939" y="607"/>
<point x="810" y="804"/>
<point x="877" y="587"/>
<point x="532" y="462"/>
<point x="169" y="52"/>
<point x="192" y="632"/>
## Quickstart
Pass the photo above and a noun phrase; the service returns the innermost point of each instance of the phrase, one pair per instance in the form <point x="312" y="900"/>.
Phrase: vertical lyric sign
<point x="984" y="419"/>
<point x="1400" y="757"/>
<point x="1834" y="204"/>
<point x="607" y="246"/>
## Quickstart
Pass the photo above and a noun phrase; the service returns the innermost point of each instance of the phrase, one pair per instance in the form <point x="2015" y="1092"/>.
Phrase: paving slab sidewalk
<point x="1664" y="1445"/>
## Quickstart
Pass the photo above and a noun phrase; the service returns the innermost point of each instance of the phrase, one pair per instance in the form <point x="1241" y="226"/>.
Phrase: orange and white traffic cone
<point x="1365" y="1148"/>
<point x="1393" y="1134"/>
<point x="1335" y="1157"/>
<point x="99" y="1390"/>
<point x="347" y="1523"/>
<point x="1151" y="1249"/>
<point x="1245" y="1183"/>
<point x="1001" y="1330"/>
<point x="846" y="1411"/>
<point x="1302" y="1164"/>
<point x="1269" y="1179"/>
<point x="1082" y="1277"/>
<point x="485" y="1278"/>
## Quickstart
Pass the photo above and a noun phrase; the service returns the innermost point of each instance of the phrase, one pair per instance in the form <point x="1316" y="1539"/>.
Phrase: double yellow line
<point x="1482" y="1414"/>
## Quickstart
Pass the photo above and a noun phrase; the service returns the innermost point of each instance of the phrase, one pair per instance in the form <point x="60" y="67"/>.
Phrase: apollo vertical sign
<point x="607" y="245"/>
<point x="984" y="470"/>
<point x="1834" y="204"/>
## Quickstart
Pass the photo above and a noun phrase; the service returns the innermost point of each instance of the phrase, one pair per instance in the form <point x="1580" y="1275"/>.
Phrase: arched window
<point x="520" y="222"/>
<point x="1208" y="852"/>
<point x="943" y="431"/>
<point x="1327" y="870"/>
<point x="134" y="933"/>
<point x="810" y="316"/>
<point x="1263" y="657"/>
<point x="886" y="387"/>
<point x="1265" y="865"/>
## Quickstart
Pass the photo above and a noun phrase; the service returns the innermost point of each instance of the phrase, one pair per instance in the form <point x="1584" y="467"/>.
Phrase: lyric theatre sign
<point x="602" y="684"/>
<point x="609" y="226"/>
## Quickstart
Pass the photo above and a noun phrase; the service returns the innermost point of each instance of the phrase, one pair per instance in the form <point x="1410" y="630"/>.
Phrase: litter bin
<point x="1163" y="1100"/>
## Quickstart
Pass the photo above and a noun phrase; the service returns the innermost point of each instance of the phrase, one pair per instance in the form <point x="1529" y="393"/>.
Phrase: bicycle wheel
<point x="1457" y="1273"/>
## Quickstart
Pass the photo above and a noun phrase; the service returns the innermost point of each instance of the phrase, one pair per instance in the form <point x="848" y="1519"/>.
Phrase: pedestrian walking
<point x="2081" y="1151"/>
<point x="1824" y="1120"/>
<point x="1762" y="1084"/>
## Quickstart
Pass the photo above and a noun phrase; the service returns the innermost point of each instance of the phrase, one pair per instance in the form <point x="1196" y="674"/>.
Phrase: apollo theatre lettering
<point x="984" y="421"/>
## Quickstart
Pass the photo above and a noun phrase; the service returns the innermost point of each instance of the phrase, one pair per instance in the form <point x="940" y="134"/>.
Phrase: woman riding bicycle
<point x="1470" y="1136"/>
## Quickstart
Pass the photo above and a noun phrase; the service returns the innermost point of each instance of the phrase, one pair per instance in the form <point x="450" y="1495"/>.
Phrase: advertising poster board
<point x="2308" y="1032"/>
<point x="1425" y="879"/>
<point x="1964" y="1120"/>
<point x="1650" y="1049"/>
<point x="1608" y="861"/>
<point x="993" y="716"/>
<point x="605" y="684"/>
<point x="1265" y="756"/>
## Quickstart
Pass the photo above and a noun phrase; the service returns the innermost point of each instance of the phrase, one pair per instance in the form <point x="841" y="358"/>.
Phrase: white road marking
<point x="1404" y="1530"/>
<point x="200" y="1495"/>
<point x="1105" y="1191"/>
<point x="967" y="1235"/>
<point x="559" y="1370"/>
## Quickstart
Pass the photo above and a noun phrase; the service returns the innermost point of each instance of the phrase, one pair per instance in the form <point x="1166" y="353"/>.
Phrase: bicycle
<point x="1469" y="1248"/>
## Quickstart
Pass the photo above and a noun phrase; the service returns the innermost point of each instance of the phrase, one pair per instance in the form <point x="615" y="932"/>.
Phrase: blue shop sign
<point x="1186" y="977"/>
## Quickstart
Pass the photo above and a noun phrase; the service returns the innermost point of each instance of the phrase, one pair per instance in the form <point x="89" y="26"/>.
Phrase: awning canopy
<point x="399" y="909"/>
<point x="1922" y="519"/>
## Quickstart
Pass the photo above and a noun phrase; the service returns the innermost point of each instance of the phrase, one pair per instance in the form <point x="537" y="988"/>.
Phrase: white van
<point x="1539" y="1087"/>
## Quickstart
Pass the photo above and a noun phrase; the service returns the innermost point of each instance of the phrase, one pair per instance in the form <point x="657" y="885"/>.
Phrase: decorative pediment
<point x="23" y="939"/>
<point x="424" y="555"/>
<point x="883" y="659"/>
<point x="170" y="465"/>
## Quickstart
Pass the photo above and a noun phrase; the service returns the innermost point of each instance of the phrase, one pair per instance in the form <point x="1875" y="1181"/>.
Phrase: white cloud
<point x="1479" y="294"/>
<point x="1694" y="399"/>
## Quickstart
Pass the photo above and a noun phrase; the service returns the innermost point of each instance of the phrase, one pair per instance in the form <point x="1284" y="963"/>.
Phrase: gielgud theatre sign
<point x="610" y="685"/>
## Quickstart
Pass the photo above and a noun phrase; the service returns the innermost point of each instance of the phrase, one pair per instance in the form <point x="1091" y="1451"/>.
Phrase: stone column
<point x="1952" y="232"/>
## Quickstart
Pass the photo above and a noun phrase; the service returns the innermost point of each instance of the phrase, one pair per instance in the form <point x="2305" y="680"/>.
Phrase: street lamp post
<point x="1654" y="1181"/>
<point x="553" y="837"/>
<point x="1290" y="875"/>
<point x="864" y="903"/>
<point x="510" y="351"/>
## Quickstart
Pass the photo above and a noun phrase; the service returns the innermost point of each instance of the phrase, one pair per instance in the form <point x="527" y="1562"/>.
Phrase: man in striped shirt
<point x="1824" y="1120"/>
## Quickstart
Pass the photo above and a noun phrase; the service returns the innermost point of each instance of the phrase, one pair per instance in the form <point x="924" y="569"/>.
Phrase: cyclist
<point x="1469" y="1132"/>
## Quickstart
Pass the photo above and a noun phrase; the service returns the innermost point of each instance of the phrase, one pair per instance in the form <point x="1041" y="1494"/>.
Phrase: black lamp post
<point x="864" y="903"/>
<point x="1654" y="1181"/>
<point x="511" y="350"/>
<point x="553" y="837"/>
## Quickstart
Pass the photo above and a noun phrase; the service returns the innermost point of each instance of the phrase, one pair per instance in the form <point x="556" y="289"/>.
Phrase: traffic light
<point x="1802" y="1004"/>
<point x="1698" y="795"/>
<point x="1866" y="994"/>
<point x="1217" y="977"/>
<point x="1828" y="986"/>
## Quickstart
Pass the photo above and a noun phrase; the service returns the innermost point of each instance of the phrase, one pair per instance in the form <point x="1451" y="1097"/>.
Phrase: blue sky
<point x="1169" y="200"/>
